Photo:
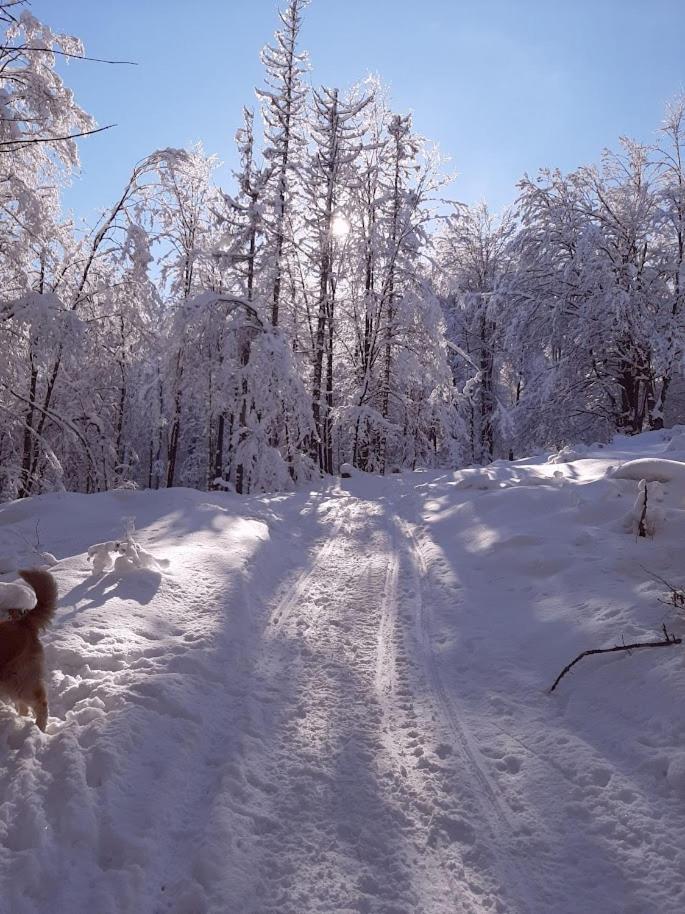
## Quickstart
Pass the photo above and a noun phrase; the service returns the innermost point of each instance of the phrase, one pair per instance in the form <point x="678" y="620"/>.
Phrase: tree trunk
<point x="28" y="442"/>
<point x="174" y="435"/>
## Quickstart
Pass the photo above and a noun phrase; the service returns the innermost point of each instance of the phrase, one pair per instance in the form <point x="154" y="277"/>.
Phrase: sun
<point x="340" y="226"/>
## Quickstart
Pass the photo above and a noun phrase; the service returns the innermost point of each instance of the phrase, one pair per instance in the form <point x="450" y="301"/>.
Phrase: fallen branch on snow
<point x="668" y="640"/>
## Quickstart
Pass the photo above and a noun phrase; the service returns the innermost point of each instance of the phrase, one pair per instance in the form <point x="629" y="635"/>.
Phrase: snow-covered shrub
<point x="123" y="555"/>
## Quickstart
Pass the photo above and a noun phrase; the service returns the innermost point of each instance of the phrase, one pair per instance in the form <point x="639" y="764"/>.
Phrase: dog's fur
<point x="22" y="666"/>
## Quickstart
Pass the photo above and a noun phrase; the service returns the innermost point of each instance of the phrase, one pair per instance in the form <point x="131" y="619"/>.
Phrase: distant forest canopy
<point x="329" y="306"/>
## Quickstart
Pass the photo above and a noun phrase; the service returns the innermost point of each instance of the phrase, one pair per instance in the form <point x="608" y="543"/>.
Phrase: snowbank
<point x="651" y="469"/>
<point x="336" y="699"/>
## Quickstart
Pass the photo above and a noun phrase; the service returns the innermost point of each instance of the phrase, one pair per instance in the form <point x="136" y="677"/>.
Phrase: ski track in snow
<point x="345" y="824"/>
<point x="297" y="591"/>
<point x="313" y="712"/>
<point x="492" y="806"/>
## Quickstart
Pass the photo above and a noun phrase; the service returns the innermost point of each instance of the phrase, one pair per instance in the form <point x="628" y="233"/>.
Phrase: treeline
<point x="329" y="308"/>
<point x="570" y="306"/>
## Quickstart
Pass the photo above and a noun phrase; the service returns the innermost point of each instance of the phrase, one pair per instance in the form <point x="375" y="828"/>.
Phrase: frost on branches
<point x="324" y="309"/>
<point x="566" y="314"/>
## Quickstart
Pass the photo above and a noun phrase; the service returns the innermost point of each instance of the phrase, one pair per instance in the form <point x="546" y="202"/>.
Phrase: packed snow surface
<point x="336" y="700"/>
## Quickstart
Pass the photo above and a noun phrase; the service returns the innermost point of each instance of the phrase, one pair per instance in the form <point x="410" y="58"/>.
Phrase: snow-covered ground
<point x="336" y="700"/>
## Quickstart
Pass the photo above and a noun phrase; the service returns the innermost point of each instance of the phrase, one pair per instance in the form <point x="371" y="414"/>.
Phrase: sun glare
<point x="340" y="227"/>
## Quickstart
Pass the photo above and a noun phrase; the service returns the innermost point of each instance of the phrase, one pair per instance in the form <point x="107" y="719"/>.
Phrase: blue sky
<point x="502" y="86"/>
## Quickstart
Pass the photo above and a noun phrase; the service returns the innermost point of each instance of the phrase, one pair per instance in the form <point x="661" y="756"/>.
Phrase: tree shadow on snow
<point x="139" y="585"/>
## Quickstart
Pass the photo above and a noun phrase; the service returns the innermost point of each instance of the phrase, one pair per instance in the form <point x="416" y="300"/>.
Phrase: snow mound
<point x="11" y="560"/>
<point x="677" y="443"/>
<point x="651" y="469"/>
<point x="132" y="555"/>
<point x="123" y="555"/>
<point x="568" y="454"/>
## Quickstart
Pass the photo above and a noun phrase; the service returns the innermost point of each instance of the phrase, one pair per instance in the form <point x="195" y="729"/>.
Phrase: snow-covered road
<point x="334" y="701"/>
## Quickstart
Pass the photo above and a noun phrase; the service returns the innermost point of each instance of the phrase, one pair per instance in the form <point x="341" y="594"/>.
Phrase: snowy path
<point x="354" y="830"/>
<point x="334" y="702"/>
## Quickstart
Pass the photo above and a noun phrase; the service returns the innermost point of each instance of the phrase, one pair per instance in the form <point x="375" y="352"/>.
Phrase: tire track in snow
<point x="294" y="595"/>
<point x="456" y="726"/>
<point x="402" y="732"/>
<point x="385" y="660"/>
<point x="350" y="830"/>
<point x="494" y="808"/>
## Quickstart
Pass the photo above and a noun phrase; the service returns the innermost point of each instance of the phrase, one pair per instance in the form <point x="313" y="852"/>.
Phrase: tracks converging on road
<point x="371" y="742"/>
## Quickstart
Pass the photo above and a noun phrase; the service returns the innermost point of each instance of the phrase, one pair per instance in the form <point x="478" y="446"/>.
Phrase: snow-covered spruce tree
<point x="34" y="331"/>
<point x="127" y="333"/>
<point x="254" y="249"/>
<point x="239" y="251"/>
<point x="239" y="217"/>
<point x="402" y="151"/>
<point x="181" y="213"/>
<point x="670" y="187"/>
<point x="382" y="299"/>
<point x="259" y="394"/>
<point x="283" y="111"/>
<point x="472" y="259"/>
<point x="105" y="303"/>
<point x="329" y="173"/>
<point x="236" y="410"/>
<point x="555" y="393"/>
<point x="620" y="201"/>
<point x="364" y="311"/>
<point x="412" y="377"/>
<point x="76" y="312"/>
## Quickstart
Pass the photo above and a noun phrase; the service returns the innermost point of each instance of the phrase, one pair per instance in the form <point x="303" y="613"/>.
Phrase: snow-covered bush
<point x="123" y="555"/>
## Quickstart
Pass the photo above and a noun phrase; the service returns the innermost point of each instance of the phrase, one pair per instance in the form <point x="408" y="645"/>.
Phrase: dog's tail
<point x="45" y="587"/>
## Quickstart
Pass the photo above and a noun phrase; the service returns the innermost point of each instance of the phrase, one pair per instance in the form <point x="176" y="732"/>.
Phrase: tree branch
<point x="129" y="63"/>
<point x="52" y="139"/>
<point x="668" y="640"/>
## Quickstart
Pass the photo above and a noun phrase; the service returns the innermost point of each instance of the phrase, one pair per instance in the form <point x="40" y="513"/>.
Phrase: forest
<point x="335" y="304"/>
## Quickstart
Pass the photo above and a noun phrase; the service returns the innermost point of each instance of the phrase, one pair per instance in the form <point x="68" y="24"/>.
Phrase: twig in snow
<point x="668" y="640"/>
<point x="677" y="598"/>
<point x="34" y="546"/>
<point x="642" y="525"/>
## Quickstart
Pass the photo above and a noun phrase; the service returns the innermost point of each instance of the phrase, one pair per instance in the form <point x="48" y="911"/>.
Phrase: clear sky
<point x="503" y="86"/>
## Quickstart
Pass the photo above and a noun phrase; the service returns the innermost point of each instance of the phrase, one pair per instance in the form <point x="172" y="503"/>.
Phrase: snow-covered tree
<point x="329" y="174"/>
<point x="325" y="307"/>
<point x="283" y="110"/>
<point x="473" y="258"/>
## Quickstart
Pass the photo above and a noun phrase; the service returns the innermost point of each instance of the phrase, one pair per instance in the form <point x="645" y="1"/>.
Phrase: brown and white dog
<point x="22" y="667"/>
